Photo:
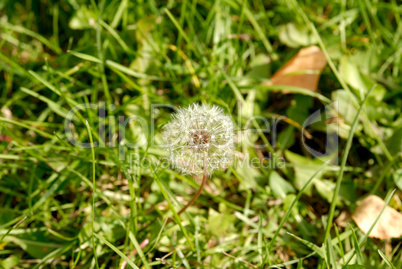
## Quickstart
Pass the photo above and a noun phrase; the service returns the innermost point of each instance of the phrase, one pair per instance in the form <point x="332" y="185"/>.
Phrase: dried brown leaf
<point x="303" y="70"/>
<point x="388" y="226"/>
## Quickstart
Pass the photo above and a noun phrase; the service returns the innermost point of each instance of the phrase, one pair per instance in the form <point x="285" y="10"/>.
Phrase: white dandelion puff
<point x="199" y="139"/>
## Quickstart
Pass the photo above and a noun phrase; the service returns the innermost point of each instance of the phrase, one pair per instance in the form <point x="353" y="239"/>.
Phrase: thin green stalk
<point x="56" y="24"/>
<point x="384" y="172"/>
<point x="176" y="216"/>
<point x="102" y="64"/>
<point x="93" y="193"/>
<point x="368" y="24"/>
<point x="340" y="243"/>
<point x="289" y="211"/>
<point x="13" y="227"/>
<point x="343" y="163"/>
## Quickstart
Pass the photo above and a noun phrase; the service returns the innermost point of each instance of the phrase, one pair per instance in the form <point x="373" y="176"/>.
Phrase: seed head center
<point x="200" y="139"/>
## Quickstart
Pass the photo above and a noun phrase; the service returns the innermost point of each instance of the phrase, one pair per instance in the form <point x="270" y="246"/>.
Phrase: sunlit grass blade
<point x="312" y="246"/>
<point x="55" y="107"/>
<point x="33" y="34"/>
<point x="54" y="254"/>
<point x="93" y="192"/>
<point x="130" y="72"/>
<point x="50" y="86"/>
<point x="117" y="251"/>
<point x="356" y="246"/>
<point x="171" y="207"/>
<point x="296" y="90"/>
<point x="27" y="126"/>
<point x="139" y="249"/>
<point x="84" y="56"/>
<point x="385" y="259"/>
<point x="343" y="164"/>
<point x="289" y="211"/>
<point x="340" y="243"/>
<point x="19" y="221"/>
<point x="116" y="36"/>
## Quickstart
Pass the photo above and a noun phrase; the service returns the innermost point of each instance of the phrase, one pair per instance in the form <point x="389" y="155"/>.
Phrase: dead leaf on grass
<point x="388" y="226"/>
<point x="303" y="70"/>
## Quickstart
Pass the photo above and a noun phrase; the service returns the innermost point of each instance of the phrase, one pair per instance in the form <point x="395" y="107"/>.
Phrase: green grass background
<point x="63" y="206"/>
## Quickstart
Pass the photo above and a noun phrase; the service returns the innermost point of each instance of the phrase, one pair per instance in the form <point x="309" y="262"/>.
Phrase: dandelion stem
<point x="204" y="181"/>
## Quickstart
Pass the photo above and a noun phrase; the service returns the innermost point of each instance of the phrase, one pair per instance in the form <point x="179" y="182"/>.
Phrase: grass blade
<point x="312" y="246"/>
<point x="356" y="247"/>
<point x="139" y="249"/>
<point x="343" y="164"/>
<point x="117" y="251"/>
<point x="289" y="211"/>
<point x="176" y="216"/>
<point x="385" y="259"/>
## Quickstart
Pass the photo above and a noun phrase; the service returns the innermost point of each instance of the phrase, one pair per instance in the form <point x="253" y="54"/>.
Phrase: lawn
<point x="296" y="154"/>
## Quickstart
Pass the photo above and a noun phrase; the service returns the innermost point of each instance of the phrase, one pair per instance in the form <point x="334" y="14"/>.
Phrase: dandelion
<point x="200" y="140"/>
<point x="196" y="133"/>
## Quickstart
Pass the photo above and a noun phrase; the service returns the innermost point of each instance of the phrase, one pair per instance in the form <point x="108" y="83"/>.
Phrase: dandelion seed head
<point x="198" y="132"/>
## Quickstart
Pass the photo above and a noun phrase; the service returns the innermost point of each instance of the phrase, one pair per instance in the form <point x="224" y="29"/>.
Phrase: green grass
<point x="64" y="206"/>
